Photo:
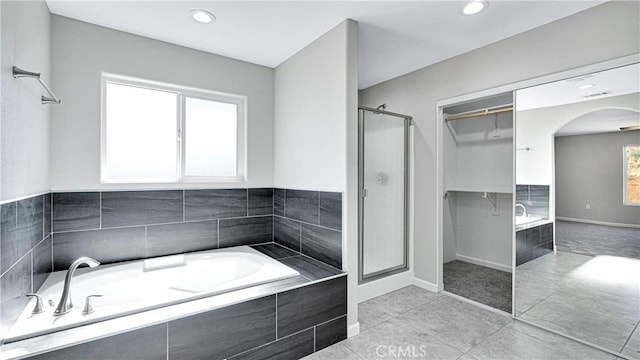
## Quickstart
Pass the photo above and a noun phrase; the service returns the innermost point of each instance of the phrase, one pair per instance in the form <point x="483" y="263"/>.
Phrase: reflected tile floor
<point x="413" y="323"/>
<point x="596" y="299"/>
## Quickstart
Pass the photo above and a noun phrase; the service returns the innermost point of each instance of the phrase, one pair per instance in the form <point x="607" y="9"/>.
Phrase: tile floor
<point x="413" y="323"/>
<point x="596" y="299"/>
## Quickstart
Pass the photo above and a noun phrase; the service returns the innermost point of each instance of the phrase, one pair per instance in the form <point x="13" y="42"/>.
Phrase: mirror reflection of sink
<point x="526" y="219"/>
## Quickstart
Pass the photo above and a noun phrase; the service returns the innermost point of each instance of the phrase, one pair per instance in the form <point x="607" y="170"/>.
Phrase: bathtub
<point x="137" y="286"/>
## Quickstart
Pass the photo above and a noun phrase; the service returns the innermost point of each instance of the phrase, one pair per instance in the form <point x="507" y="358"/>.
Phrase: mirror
<point x="577" y="210"/>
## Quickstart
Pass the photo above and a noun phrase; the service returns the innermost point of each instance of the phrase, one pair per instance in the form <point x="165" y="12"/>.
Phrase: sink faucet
<point x="524" y="210"/>
<point x="65" y="305"/>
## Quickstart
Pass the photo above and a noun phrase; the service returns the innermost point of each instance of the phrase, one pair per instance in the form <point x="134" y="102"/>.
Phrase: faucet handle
<point x="88" y="304"/>
<point x="39" y="308"/>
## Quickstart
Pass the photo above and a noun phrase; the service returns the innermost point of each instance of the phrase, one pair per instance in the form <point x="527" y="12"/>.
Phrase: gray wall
<point x="24" y="124"/>
<point x="81" y="52"/>
<point x="589" y="169"/>
<point x="601" y="33"/>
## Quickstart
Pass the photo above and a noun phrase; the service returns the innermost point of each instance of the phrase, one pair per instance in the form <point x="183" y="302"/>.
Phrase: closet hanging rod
<point x="480" y="113"/>
<point x="51" y="99"/>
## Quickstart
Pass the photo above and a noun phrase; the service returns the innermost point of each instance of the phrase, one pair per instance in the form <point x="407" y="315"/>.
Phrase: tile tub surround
<point x="535" y="199"/>
<point x="266" y="326"/>
<point x="309" y="222"/>
<point x="25" y="253"/>
<point x="127" y="225"/>
<point x="533" y="242"/>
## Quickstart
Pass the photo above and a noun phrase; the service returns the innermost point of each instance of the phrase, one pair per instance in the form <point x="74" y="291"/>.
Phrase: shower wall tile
<point x="221" y="333"/>
<point x="106" y="245"/>
<point x="148" y="343"/>
<point x="30" y="227"/>
<point x="331" y="210"/>
<point x="331" y="332"/>
<point x="42" y="262"/>
<point x="14" y="284"/>
<point x="123" y="208"/>
<point x="278" y="201"/>
<point x="76" y="211"/>
<point x="181" y="237"/>
<point x="302" y="205"/>
<point x="286" y="232"/>
<point x="246" y="231"/>
<point x="295" y="346"/>
<point x="322" y="244"/>
<point x="215" y="204"/>
<point x="47" y="213"/>
<point x="307" y="306"/>
<point x="260" y="202"/>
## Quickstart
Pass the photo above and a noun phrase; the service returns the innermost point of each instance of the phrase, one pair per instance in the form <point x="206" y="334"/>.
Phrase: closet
<point x="477" y="217"/>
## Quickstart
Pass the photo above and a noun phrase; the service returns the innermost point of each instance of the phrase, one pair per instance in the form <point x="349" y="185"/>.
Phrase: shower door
<point x="383" y="179"/>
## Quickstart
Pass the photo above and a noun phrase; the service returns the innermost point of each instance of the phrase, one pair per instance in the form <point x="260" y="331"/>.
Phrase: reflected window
<point x="632" y="174"/>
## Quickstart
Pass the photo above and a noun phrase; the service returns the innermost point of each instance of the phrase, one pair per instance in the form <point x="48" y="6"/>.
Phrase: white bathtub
<point x="142" y="285"/>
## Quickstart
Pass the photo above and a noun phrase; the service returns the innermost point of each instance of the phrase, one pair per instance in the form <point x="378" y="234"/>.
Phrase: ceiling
<point x="604" y="84"/>
<point x="395" y="37"/>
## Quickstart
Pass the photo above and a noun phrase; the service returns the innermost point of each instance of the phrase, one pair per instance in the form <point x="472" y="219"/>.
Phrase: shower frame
<point x="408" y="122"/>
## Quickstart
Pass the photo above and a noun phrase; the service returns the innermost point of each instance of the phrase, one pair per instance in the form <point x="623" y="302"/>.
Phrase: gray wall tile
<point x="322" y="244"/>
<point x="292" y="347"/>
<point x="245" y="231"/>
<point x="278" y="201"/>
<point x="30" y="221"/>
<point x="146" y="343"/>
<point x="302" y="205"/>
<point x="331" y="332"/>
<point x="260" y="201"/>
<point x="14" y="284"/>
<point x="309" y="268"/>
<point x="12" y="249"/>
<point x="76" y="211"/>
<point x="122" y="208"/>
<point x="331" y="210"/>
<point x="106" y="246"/>
<point x="181" y="237"/>
<point x="286" y="232"/>
<point x="224" y="332"/>
<point x="42" y="262"/>
<point x="47" y="214"/>
<point x="215" y="204"/>
<point x="311" y="305"/>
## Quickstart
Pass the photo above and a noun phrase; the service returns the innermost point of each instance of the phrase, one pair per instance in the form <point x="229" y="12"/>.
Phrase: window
<point x="160" y="133"/>
<point x="632" y="174"/>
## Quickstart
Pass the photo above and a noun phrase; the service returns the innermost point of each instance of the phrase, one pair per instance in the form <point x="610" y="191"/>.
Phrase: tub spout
<point x="65" y="305"/>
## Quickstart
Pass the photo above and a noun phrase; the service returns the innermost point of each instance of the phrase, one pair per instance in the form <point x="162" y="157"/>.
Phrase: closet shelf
<point x="481" y="189"/>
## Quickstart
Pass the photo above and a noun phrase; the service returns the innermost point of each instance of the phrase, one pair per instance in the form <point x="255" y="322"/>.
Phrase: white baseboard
<point x="596" y="222"/>
<point x="385" y="285"/>
<point x="486" y="263"/>
<point x="353" y="329"/>
<point x="425" y="285"/>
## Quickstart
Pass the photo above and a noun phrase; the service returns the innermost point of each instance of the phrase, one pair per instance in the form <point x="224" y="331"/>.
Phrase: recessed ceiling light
<point x="586" y="86"/>
<point x="474" y="7"/>
<point x="202" y="16"/>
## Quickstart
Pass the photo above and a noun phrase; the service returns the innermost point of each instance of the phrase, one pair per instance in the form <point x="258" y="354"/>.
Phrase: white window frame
<point x="624" y="177"/>
<point x="182" y="93"/>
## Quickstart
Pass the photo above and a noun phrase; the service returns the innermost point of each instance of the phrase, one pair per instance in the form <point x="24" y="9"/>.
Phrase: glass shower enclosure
<point x="384" y="193"/>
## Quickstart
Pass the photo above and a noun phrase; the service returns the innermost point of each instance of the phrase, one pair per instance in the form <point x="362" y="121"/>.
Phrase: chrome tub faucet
<point x="65" y="305"/>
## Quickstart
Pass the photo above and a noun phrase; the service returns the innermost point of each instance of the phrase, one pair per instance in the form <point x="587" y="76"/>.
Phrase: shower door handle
<point x="365" y="193"/>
